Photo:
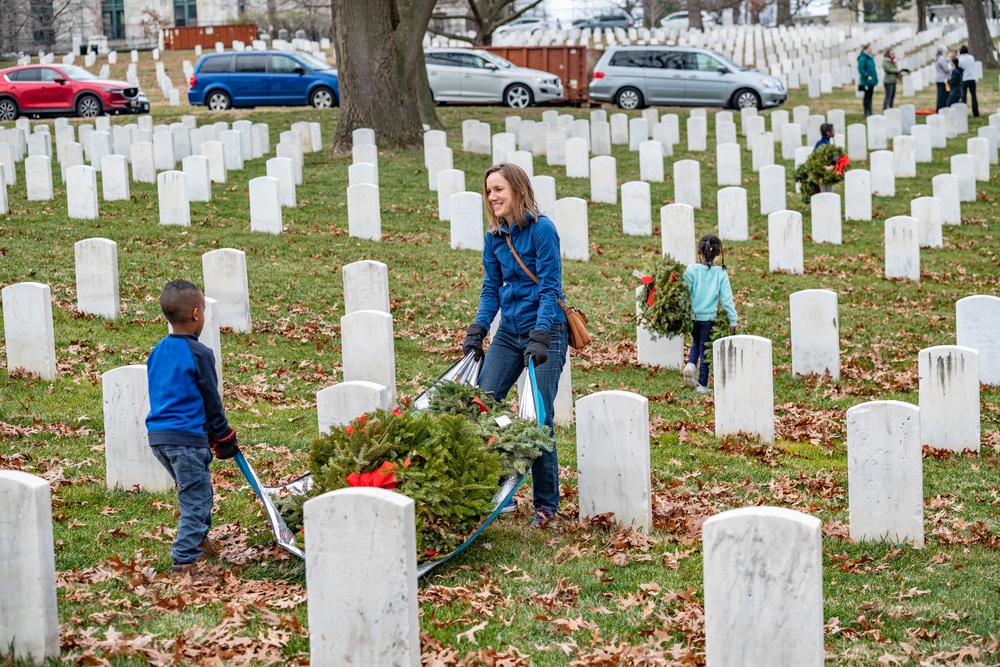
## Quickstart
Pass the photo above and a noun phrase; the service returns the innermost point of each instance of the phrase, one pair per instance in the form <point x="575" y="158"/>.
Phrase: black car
<point x="602" y="21"/>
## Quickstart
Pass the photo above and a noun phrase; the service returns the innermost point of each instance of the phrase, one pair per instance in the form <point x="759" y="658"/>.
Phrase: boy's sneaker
<point x="701" y="389"/>
<point x="689" y="373"/>
<point x="209" y="548"/>
<point x="542" y="517"/>
<point x="181" y="568"/>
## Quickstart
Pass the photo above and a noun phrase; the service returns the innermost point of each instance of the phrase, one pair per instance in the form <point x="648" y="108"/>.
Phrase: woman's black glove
<point x="474" y="341"/>
<point x="538" y="347"/>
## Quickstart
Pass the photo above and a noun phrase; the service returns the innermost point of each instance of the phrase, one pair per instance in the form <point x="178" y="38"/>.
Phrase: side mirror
<point x="300" y="70"/>
<point x="722" y="70"/>
<point x="491" y="67"/>
<point x="59" y="80"/>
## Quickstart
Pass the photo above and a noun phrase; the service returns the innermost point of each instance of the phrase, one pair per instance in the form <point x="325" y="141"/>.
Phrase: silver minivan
<point x="637" y="76"/>
<point x="475" y="75"/>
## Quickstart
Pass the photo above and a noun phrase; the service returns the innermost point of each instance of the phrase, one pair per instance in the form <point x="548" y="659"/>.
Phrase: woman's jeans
<point x="700" y="335"/>
<point x="890" y="96"/>
<point x="942" y="95"/>
<point x="970" y="86"/>
<point x="189" y="466"/>
<point x="869" y="93"/>
<point x="501" y="369"/>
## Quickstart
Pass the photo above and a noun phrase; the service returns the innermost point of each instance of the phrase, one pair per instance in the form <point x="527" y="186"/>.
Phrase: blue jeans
<point x="503" y="365"/>
<point x="189" y="468"/>
<point x="700" y="334"/>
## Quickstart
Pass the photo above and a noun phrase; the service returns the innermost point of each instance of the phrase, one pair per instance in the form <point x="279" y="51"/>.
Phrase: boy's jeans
<point x="503" y="365"/>
<point x="189" y="468"/>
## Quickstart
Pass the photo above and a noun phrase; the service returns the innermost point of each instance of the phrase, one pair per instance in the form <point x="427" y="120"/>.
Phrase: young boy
<point x="186" y="420"/>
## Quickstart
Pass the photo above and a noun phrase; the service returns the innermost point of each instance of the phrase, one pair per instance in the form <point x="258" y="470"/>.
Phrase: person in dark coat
<point x="867" y="76"/>
<point x="955" y="83"/>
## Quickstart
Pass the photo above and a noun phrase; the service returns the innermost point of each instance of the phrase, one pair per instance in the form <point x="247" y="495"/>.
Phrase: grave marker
<point x="129" y="461"/>
<point x="884" y="473"/>
<point x="744" y="388"/>
<point x="949" y="398"/>
<point x="977" y="324"/>
<point x="368" y="349"/>
<point x="29" y="618"/>
<point x="344" y="402"/>
<point x="613" y="457"/>
<point x="225" y="274"/>
<point x="815" y="333"/>
<point x="763" y="571"/>
<point x="366" y="286"/>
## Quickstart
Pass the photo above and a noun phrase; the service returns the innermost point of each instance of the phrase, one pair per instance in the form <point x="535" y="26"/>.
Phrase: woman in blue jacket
<point x="867" y="76"/>
<point x="532" y="324"/>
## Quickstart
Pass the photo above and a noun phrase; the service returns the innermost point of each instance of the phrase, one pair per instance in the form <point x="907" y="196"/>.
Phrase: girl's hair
<point x="525" y="207"/>
<point x="710" y="247"/>
<point x="824" y="128"/>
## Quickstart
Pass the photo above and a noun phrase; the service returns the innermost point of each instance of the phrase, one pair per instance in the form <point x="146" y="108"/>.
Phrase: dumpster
<point x="188" y="37"/>
<point x="572" y="64"/>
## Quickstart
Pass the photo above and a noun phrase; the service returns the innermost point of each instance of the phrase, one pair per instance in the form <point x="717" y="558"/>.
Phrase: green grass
<point x="556" y="595"/>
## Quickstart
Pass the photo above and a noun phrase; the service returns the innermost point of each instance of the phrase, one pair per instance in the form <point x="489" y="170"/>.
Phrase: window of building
<point x="185" y="12"/>
<point x="113" y="12"/>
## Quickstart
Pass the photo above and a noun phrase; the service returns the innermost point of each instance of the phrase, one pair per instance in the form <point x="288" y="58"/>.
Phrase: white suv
<point x="474" y="75"/>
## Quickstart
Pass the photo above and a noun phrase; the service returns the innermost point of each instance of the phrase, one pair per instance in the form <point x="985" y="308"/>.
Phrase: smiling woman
<point x="523" y="282"/>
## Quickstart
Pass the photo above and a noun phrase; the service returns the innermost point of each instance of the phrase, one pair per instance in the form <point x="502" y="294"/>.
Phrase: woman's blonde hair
<point x="524" y="204"/>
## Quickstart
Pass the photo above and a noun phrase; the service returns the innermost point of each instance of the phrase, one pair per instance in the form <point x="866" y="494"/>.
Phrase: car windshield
<point x="497" y="60"/>
<point x="77" y="73"/>
<point x="738" y="68"/>
<point x="312" y="62"/>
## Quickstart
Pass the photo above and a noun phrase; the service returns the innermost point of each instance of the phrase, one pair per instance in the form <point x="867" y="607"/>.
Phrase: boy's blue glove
<point x="225" y="447"/>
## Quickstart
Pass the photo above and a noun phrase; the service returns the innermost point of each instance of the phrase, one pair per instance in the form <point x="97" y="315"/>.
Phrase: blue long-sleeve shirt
<point x="184" y="403"/>
<point x="708" y="285"/>
<point x="506" y="287"/>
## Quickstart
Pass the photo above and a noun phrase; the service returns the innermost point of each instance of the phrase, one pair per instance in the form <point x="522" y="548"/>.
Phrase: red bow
<point x="841" y="163"/>
<point x="482" y="407"/>
<point x="649" y="299"/>
<point x="383" y="478"/>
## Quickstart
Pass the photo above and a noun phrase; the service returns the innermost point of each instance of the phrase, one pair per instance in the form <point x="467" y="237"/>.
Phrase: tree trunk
<point x="784" y="12"/>
<point x="650" y="13"/>
<point x="921" y="15"/>
<point x="425" y="98"/>
<point x="694" y="14"/>
<point x="380" y="61"/>
<point x="980" y="44"/>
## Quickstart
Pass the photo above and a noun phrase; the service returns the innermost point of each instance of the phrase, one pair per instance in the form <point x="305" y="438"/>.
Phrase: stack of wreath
<point x="449" y="459"/>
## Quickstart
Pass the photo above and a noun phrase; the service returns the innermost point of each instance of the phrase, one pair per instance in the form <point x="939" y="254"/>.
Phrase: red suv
<point x="65" y="90"/>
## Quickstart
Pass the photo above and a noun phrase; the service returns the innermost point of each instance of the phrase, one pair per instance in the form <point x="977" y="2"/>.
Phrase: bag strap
<point x="530" y="274"/>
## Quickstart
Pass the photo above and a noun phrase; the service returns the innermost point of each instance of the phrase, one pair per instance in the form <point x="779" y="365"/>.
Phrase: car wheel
<point x="517" y="96"/>
<point x="88" y="106"/>
<point x="218" y="101"/>
<point x="745" y="99"/>
<point x="8" y="109"/>
<point x="628" y="99"/>
<point x="322" y="98"/>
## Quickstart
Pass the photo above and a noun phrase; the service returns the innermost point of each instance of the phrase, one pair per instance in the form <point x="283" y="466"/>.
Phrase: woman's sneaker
<point x="542" y="517"/>
<point x="701" y="389"/>
<point x="689" y="376"/>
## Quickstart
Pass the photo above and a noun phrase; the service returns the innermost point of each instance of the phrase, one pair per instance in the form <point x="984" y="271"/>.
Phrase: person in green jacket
<point x="867" y="76"/>
<point x="892" y="75"/>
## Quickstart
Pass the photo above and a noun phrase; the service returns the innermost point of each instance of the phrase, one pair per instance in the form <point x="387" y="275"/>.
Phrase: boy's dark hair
<point x="710" y="247"/>
<point x="954" y="61"/>
<point x="964" y="49"/>
<point x="178" y="298"/>
<point x="824" y="128"/>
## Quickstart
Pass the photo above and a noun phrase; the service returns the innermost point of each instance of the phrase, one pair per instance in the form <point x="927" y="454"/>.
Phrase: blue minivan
<point x="263" y="78"/>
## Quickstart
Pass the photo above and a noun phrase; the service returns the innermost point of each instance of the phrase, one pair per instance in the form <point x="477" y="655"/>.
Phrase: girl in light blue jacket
<point x="708" y="283"/>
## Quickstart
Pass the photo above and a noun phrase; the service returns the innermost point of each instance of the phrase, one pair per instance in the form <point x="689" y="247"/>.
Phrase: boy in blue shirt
<point x="186" y="419"/>
<point x="708" y="285"/>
